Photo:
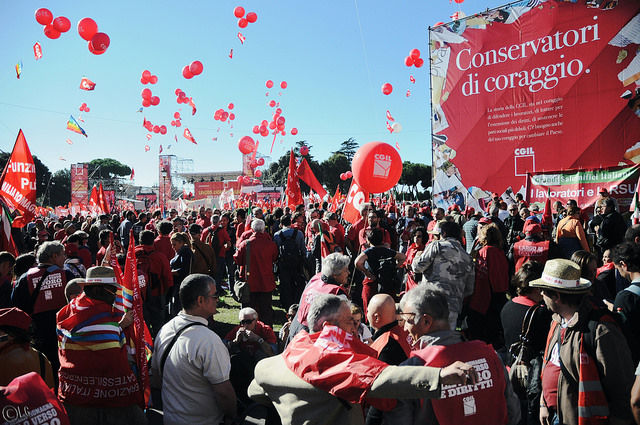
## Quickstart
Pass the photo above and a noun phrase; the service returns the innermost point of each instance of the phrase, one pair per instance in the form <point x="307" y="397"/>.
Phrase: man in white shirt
<point x="195" y="374"/>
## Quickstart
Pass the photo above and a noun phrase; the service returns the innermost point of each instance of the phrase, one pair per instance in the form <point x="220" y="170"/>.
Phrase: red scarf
<point x="334" y="361"/>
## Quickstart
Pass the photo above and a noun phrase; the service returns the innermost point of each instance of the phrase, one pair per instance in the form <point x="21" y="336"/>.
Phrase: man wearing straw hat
<point x="587" y="372"/>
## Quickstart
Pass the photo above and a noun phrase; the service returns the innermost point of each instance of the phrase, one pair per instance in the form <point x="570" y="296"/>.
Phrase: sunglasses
<point x="246" y="321"/>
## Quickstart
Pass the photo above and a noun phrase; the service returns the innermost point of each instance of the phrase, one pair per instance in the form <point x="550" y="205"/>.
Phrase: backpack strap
<point x="172" y="343"/>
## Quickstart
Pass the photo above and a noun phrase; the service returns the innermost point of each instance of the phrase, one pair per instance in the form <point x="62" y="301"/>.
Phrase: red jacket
<point x="263" y="252"/>
<point x="162" y="244"/>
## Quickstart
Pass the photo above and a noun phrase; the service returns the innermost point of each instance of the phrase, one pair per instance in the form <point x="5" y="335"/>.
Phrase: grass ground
<point x="227" y="316"/>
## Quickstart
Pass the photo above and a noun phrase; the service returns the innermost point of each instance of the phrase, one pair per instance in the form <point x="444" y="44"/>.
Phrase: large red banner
<point x="79" y="184"/>
<point x="205" y="189"/>
<point x="18" y="182"/>
<point x="164" y="179"/>
<point x="533" y="86"/>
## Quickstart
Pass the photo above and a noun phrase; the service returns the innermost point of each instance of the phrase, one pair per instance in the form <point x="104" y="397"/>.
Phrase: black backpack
<point x="387" y="276"/>
<point x="288" y="254"/>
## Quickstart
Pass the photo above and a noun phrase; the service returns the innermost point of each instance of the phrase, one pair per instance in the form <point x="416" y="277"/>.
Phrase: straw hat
<point x="562" y="276"/>
<point x="100" y="275"/>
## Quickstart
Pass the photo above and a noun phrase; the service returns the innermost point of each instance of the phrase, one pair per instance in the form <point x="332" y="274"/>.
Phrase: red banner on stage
<point x="529" y="87"/>
<point x="205" y="189"/>
<point x="584" y="185"/>
<point x="79" y="183"/>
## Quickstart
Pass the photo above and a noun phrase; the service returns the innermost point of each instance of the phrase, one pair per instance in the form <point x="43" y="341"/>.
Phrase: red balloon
<point x="294" y="131"/>
<point x="256" y="129"/>
<point x="272" y="125"/>
<point x="242" y="23"/>
<point x="186" y="73"/>
<point x="173" y="123"/>
<point x="94" y="51"/>
<point x="176" y="115"/>
<point x="459" y="1"/>
<point x="377" y="167"/>
<point x="182" y="94"/>
<point x="253" y="164"/>
<point x="419" y="62"/>
<point x="246" y="180"/>
<point x="272" y="103"/>
<point x="269" y="84"/>
<point x="87" y="109"/>
<point x="62" y="24"/>
<point x="304" y="150"/>
<point x="278" y="111"/>
<point x="387" y="89"/>
<point x="178" y="123"/>
<point x="415" y="54"/>
<point x="156" y="129"/>
<point x="44" y="16"/>
<point x="349" y="174"/>
<point x="264" y="132"/>
<point x="146" y="94"/>
<point x="232" y="117"/>
<point x="87" y="28"/>
<point x="153" y="79"/>
<point x="239" y="179"/>
<point x="163" y="129"/>
<point x="230" y="106"/>
<point x="258" y="173"/>
<point x="196" y="67"/>
<point x="51" y="32"/>
<point x="143" y="81"/>
<point x="252" y="17"/>
<point x="408" y="61"/>
<point x="155" y="100"/>
<point x="100" y="41"/>
<point x="246" y="145"/>
<point x="260" y="162"/>
<point x="283" y="85"/>
<point x="146" y="74"/>
<point x="284" y="133"/>
<point x="343" y="177"/>
<point x="238" y="11"/>
<point x="280" y="121"/>
<point x="177" y="92"/>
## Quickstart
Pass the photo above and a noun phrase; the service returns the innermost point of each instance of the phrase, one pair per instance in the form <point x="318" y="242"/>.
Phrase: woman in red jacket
<point x="489" y="294"/>
<point x="418" y="241"/>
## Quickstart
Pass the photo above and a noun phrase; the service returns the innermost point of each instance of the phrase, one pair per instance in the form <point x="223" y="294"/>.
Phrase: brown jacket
<point x="204" y="258"/>
<point x="613" y="361"/>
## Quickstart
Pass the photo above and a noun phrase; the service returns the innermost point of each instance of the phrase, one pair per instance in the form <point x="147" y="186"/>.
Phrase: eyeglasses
<point x="246" y="321"/>
<point x="411" y="319"/>
<point x="214" y="296"/>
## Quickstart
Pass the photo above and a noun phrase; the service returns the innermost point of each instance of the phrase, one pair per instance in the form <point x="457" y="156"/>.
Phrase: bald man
<point x="389" y="340"/>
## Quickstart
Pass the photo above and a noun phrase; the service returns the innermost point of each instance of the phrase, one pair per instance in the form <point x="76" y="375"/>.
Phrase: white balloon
<point x="396" y="127"/>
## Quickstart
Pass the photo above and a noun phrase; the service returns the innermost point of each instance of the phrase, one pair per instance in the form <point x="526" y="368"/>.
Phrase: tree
<point x="414" y="174"/>
<point x="42" y="174"/>
<point x="108" y="168"/>
<point x="332" y="167"/>
<point x="348" y="148"/>
<point x="60" y="188"/>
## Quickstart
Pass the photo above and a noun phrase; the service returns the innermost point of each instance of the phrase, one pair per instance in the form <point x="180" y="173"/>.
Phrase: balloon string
<point x="274" y="142"/>
<point x="255" y="151"/>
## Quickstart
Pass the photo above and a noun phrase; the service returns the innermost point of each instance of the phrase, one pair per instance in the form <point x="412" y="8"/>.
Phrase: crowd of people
<point x="410" y="315"/>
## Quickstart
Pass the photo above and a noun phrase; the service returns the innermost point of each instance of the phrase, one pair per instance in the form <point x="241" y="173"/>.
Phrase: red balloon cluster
<point x="414" y="59"/>
<point x="148" y="99"/>
<point x="243" y="21"/>
<point x="193" y="69"/>
<point x="387" y="88"/>
<point x="162" y="129"/>
<point x="269" y="84"/>
<point x="222" y="115"/>
<point x="182" y="98"/>
<point x="177" y="122"/>
<point x="84" y="108"/>
<point x="52" y="27"/>
<point x="98" y="42"/>
<point x="346" y="176"/>
<point x="246" y="145"/>
<point x="304" y="150"/>
<point x="148" y="78"/>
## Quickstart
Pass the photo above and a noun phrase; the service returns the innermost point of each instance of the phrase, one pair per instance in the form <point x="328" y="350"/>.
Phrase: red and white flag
<point x="187" y="135"/>
<point x="133" y="174"/>
<point x="294" y="195"/>
<point x="18" y="179"/>
<point x="37" y="50"/>
<point x="87" y="84"/>
<point x="355" y="198"/>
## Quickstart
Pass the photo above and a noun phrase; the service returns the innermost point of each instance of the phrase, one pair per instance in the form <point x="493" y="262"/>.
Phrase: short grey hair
<point x="334" y="263"/>
<point x="48" y="250"/>
<point x="247" y="311"/>
<point x="427" y="298"/>
<point x="324" y="308"/>
<point x="257" y="225"/>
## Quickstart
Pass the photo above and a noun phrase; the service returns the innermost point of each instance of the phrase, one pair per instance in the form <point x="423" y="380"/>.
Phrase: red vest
<point x="396" y="333"/>
<point x="51" y="296"/>
<point x="525" y="250"/>
<point x="28" y="400"/>
<point x="314" y="287"/>
<point x="482" y="403"/>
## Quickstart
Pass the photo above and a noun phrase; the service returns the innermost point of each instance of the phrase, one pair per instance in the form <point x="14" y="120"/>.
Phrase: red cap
<point x="15" y="317"/>
<point x="485" y="220"/>
<point x="532" y="227"/>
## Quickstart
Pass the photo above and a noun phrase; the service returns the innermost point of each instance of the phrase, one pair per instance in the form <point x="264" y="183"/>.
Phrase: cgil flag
<point x="73" y="125"/>
<point x="187" y="135"/>
<point x="87" y="84"/>
<point x="37" y="51"/>
<point x="18" y="182"/>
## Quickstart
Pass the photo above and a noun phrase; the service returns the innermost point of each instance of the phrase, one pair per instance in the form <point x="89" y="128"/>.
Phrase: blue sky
<point x="334" y="55"/>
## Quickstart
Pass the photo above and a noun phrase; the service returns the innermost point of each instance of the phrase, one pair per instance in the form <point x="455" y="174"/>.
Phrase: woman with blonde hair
<point x="570" y="235"/>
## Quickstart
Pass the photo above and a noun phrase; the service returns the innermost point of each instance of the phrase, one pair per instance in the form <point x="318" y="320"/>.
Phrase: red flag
<point x="294" y="195"/>
<point x="18" y="179"/>
<point x="87" y="84"/>
<point x="102" y="200"/>
<point x="37" y="50"/>
<point x="93" y="199"/>
<point x="133" y="174"/>
<point x="6" y="240"/>
<point x="547" y="216"/>
<point x="355" y="198"/>
<point x="307" y="176"/>
<point x="188" y="136"/>
<point x="335" y="201"/>
<point x="160" y="150"/>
